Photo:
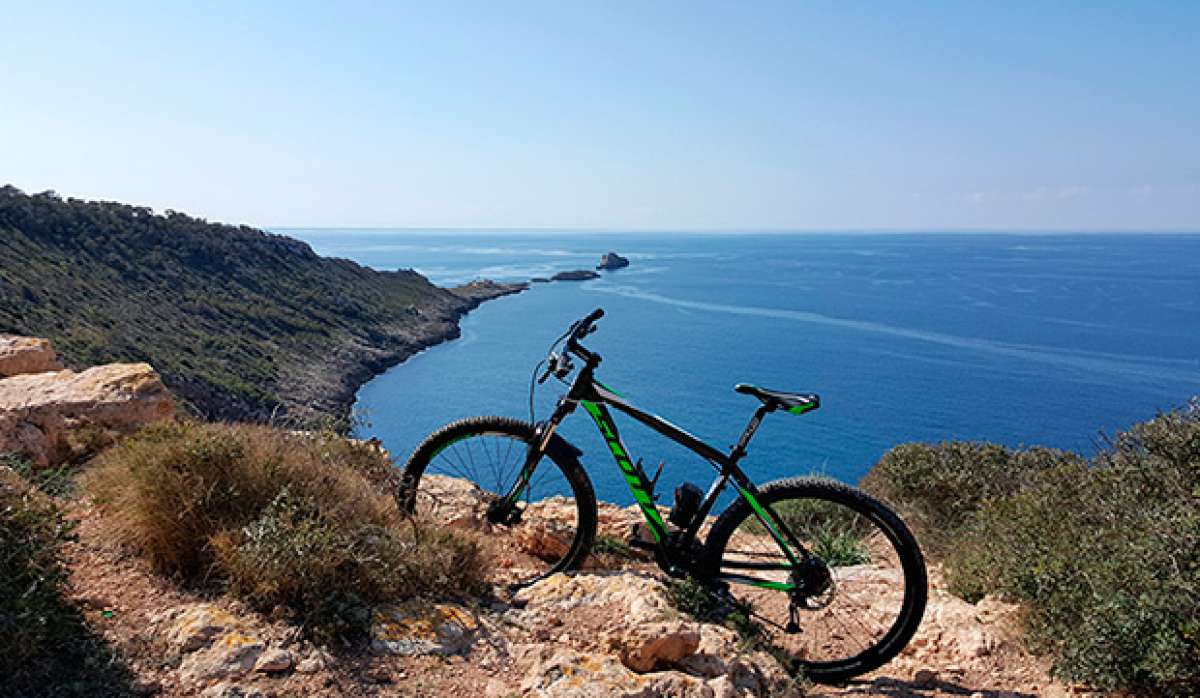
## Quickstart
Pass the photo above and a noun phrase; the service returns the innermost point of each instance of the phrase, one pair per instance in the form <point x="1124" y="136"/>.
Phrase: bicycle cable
<point x="533" y="377"/>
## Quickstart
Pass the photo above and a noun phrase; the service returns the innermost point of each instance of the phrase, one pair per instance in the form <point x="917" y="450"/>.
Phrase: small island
<point x="612" y="260"/>
<point x="576" y="275"/>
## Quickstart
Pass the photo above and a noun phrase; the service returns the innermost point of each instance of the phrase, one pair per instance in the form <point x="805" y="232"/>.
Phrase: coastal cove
<point x="1019" y="339"/>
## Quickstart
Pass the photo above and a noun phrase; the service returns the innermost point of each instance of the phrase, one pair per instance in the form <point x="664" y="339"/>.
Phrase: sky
<point x="613" y="115"/>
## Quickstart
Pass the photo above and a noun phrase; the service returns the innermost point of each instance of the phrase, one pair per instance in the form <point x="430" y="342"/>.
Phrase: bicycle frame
<point x="595" y="398"/>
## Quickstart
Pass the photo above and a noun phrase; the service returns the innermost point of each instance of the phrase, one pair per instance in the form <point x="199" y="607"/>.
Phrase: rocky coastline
<point x="329" y="389"/>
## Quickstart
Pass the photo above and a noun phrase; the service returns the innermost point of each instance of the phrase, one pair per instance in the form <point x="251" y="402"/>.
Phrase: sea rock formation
<point x="612" y="260"/>
<point x="51" y="415"/>
<point x="576" y="275"/>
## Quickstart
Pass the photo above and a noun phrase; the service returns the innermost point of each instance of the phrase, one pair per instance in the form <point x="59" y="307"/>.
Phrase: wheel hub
<point x="812" y="584"/>
<point x="504" y="513"/>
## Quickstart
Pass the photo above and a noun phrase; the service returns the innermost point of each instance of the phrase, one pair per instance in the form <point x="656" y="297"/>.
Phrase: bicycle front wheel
<point x="852" y="604"/>
<point x="459" y="472"/>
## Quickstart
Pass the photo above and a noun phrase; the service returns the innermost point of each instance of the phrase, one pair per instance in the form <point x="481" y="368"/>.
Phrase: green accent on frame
<point x="780" y="586"/>
<point x="632" y="478"/>
<point x="770" y="524"/>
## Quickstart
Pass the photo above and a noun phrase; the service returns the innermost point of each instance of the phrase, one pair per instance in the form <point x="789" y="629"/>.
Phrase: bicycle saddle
<point x="796" y="403"/>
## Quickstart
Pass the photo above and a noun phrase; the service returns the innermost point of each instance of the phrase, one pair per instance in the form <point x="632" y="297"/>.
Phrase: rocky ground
<point x="610" y="630"/>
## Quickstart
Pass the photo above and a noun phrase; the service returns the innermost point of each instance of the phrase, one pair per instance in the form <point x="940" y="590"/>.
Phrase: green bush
<point x="939" y="487"/>
<point x="276" y="517"/>
<point x="1104" y="556"/>
<point x="33" y="616"/>
<point x="1107" y="559"/>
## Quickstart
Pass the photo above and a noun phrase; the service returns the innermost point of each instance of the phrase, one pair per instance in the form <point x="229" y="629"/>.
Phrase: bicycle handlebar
<point x="584" y="327"/>
<point x="581" y="329"/>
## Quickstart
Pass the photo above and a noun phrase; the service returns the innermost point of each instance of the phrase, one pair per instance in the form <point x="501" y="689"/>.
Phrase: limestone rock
<point x="230" y="655"/>
<point x="197" y="626"/>
<point x="314" y="662"/>
<point x="648" y="646"/>
<point x="52" y="417"/>
<point x="273" y="661"/>
<point x="644" y="597"/>
<point x="26" y="355"/>
<point x="555" y="672"/>
<point x="416" y="628"/>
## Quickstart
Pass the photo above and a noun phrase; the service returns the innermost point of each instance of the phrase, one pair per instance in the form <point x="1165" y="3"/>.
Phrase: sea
<point x="1052" y="339"/>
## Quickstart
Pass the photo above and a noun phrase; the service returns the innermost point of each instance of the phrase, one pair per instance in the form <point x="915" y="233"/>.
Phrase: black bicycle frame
<point x="595" y="398"/>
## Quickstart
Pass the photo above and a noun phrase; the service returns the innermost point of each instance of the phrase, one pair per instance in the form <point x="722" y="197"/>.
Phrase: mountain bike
<point x="831" y="575"/>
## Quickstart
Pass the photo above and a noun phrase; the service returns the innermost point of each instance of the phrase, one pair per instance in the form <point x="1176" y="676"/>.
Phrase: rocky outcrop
<point x="59" y="415"/>
<point x="618" y="635"/>
<point x="26" y="355"/>
<point x="482" y="290"/>
<point x="612" y="260"/>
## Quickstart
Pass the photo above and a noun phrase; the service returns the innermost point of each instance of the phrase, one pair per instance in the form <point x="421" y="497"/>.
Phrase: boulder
<point x="649" y="646"/>
<point x="53" y="417"/>
<point x="26" y="355"/>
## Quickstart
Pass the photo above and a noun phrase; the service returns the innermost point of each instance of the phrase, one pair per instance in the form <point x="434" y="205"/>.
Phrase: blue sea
<point x="1019" y="339"/>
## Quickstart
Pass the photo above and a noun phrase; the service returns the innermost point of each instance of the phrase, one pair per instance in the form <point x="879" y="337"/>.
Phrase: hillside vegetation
<point x="241" y="324"/>
<point x="1105" y="555"/>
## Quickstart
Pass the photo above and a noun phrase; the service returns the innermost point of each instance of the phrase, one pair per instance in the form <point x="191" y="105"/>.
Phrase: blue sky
<point x="642" y="115"/>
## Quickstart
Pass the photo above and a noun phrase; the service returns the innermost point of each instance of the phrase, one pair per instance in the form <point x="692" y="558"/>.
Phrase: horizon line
<point x="741" y="231"/>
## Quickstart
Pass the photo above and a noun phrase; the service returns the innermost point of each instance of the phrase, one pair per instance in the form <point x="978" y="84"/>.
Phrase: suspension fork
<point x="543" y="433"/>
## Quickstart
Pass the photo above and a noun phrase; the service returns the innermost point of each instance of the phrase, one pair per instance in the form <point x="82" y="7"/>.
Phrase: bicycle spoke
<point x="861" y="602"/>
<point x="529" y="541"/>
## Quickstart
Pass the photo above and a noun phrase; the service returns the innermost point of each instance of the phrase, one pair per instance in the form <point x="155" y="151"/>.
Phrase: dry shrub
<point x="276" y="517"/>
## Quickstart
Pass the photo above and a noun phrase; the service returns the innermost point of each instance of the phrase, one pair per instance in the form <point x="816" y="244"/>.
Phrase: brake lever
<point x="549" y="368"/>
<point x="563" y="367"/>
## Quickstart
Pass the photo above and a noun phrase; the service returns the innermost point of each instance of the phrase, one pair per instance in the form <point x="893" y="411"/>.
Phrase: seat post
<point x="740" y="449"/>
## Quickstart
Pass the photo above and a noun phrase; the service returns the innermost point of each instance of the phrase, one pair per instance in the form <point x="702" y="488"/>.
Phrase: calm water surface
<point x="1017" y="339"/>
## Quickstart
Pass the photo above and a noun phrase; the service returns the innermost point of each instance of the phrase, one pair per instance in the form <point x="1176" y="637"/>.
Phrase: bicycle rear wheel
<point x="457" y="474"/>
<point x="857" y="601"/>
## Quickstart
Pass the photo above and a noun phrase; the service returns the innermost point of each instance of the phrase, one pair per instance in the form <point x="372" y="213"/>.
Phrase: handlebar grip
<point x="593" y="316"/>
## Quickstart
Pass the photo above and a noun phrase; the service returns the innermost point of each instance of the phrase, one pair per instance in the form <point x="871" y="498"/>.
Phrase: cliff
<point x="241" y="324"/>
